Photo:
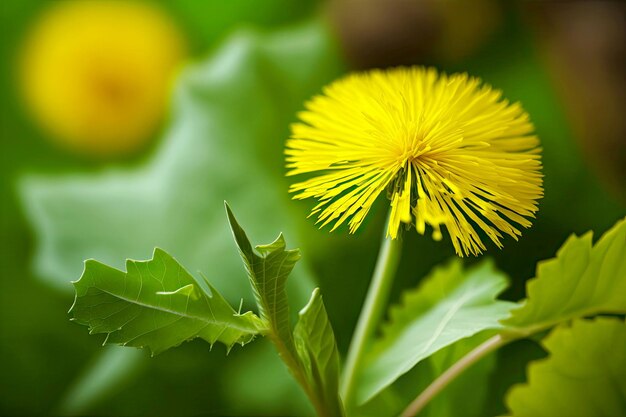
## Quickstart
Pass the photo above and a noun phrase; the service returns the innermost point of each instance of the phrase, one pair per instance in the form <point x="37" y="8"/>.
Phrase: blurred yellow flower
<point x="448" y="150"/>
<point x="96" y="74"/>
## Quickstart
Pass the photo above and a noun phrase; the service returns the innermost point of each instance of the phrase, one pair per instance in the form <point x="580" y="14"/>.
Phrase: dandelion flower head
<point x="447" y="150"/>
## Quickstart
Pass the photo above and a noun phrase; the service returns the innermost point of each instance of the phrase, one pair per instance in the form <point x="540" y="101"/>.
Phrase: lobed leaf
<point x="157" y="304"/>
<point x="450" y="305"/>
<point x="582" y="280"/>
<point x="585" y="374"/>
<point x="268" y="271"/>
<point x="317" y="348"/>
<point x="310" y="350"/>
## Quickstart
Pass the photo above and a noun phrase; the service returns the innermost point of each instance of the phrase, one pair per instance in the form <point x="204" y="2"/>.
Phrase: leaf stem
<point x="295" y="367"/>
<point x="452" y="373"/>
<point x="371" y="313"/>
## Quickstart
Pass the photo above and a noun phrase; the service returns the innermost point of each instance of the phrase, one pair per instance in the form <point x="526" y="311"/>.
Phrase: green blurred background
<point x="232" y="90"/>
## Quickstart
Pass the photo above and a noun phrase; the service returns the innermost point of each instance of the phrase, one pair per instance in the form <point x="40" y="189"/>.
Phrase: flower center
<point x="413" y="148"/>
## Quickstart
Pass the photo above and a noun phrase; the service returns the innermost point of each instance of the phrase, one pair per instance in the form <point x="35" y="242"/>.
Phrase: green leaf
<point x="450" y="305"/>
<point x="268" y="271"/>
<point x="157" y="304"/>
<point x="582" y="280"/>
<point x="314" y="361"/>
<point x="585" y="374"/>
<point x="317" y="348"/>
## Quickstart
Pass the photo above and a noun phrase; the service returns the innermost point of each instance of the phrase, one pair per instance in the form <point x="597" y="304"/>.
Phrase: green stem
<point x="371" y="313"/>
<point x="295" y="367"/>
<point x="452" y="373"/>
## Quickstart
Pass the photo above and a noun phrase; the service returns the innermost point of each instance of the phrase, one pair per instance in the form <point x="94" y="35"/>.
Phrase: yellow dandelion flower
<point x="448" y="150"/>
<point x="96" y="74"/>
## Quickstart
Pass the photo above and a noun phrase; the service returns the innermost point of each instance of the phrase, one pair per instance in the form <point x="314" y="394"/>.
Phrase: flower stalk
<point x="371" y="313"/>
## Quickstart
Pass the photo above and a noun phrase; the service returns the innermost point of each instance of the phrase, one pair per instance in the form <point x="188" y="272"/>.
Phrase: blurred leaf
<point x="450" y="305"/>
<point x="44" y="362"/>
<point x="207" y="21"/>
<point x="585" y="374"/>
<point x="158" y="305"/>
<point x="230" y="116"/>
<point x="315" y="342"/>
<point x="582" y="280"/>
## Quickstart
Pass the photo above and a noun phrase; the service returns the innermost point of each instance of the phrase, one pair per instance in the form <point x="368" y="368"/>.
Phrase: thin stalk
<point x="452" y="373"/>
<point x="371" y="313"/>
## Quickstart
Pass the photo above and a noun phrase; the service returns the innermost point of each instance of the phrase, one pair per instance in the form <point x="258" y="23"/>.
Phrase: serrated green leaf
<point x="268" y="271"/>
<point x="584" y="376"/>
<point x="450" y="305"/>
<point x="582" y="280"/>
<point x="157" y="304"/>
<point x="317" y="348"/>
<point x="314" y="362"/>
